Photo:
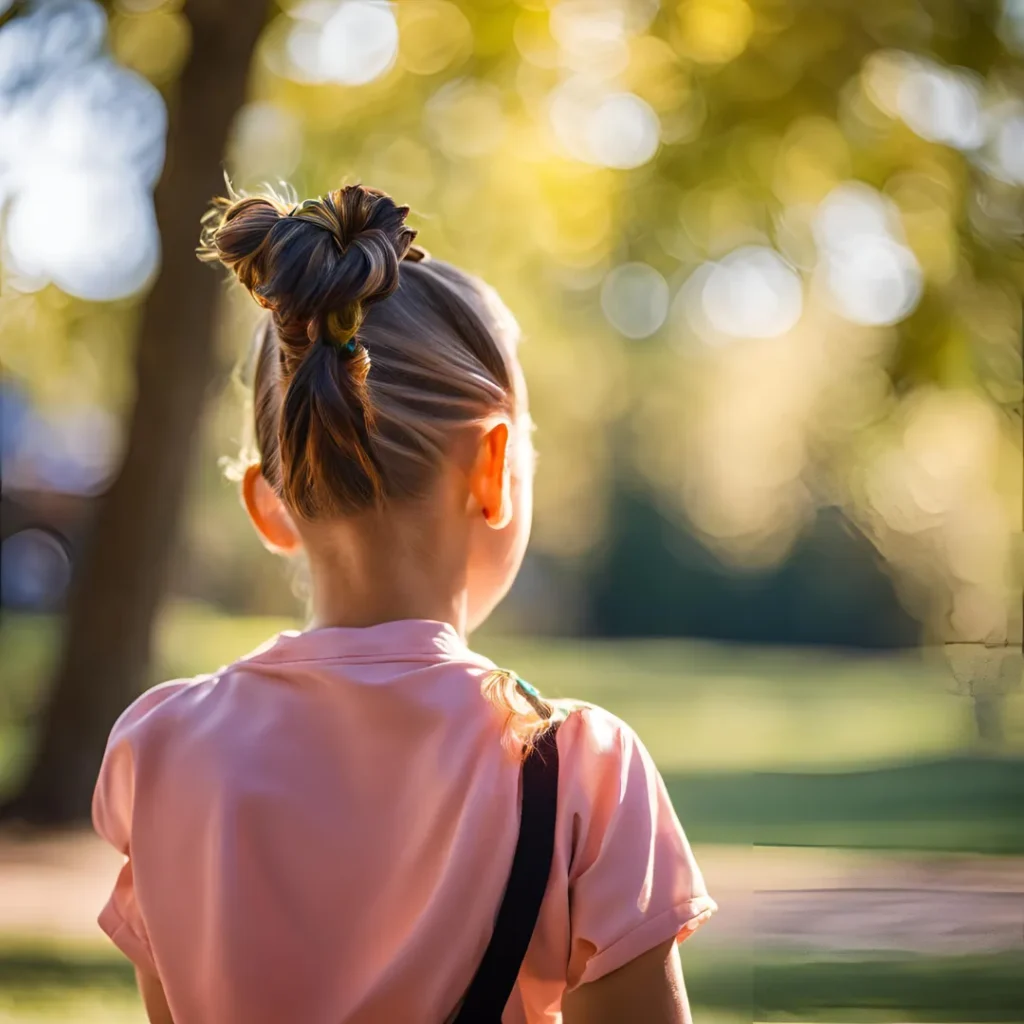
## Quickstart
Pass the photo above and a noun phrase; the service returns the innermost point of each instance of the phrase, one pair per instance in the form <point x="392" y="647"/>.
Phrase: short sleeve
<point x="633" y="880"/>
<point x="112" y="806"/>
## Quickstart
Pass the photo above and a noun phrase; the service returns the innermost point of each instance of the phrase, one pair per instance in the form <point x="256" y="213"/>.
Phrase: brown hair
<point x="332" y="439"/>
<point x="371" y="356"/>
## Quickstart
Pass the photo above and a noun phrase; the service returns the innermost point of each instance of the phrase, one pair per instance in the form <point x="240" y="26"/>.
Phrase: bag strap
<point x="495" y="978"/>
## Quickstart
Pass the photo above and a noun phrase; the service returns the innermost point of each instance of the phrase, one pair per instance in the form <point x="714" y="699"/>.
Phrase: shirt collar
<point x="402" y="640"/>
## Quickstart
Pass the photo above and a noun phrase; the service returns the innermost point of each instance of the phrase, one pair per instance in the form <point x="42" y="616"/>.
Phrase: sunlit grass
<point x="81" y="1006"/>
<point x="702" y="706"/>
<point x="765" y="746"/>
<point x="43" y="981"/>
<point x="697" y="706"/>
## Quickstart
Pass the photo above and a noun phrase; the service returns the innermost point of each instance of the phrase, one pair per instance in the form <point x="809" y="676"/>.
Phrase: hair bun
<point x="235" y="231"/>
<point x="368" y="222"/>
<point x="317" y="264"/>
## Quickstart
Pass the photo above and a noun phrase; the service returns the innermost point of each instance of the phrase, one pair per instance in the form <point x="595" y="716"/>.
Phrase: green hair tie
<point x="527" y="688"/>
<point x="342" y="333"/>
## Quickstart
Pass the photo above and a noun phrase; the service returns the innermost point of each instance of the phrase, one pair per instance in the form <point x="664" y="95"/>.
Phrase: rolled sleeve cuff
<point x="121" y="933"/>
<point x="678" y="922"/>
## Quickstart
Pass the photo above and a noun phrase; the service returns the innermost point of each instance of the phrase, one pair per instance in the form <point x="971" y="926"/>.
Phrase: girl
<point x="323" y="832"/>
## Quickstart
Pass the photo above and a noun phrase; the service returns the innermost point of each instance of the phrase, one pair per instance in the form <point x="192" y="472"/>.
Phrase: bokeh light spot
<point x="434" y="34"/>
<point x="592" y="35"/>
<point x="35" y="570"/>
<point x="50" y="35"/>
<point x="1008" y="145"/>
<point x="941" y="106"/>
<point x="359" y="42"/>
<point x="873" y="280"/>
<point x="609" y="129"/>
<point x="466" y="118"/>
<point x="1011" y="25"/>
<point x="351" y="42"/>
<point x="81" y="145"/>
<point x="622" y="132"/>
<point x="634" y="297"/>
<point x="938" y="103"/>
<point x="752" y="293"/>
<point x="657" y="75"/>
<point x="101" y="115"/>
<point x="714" y="31"/>
<point x="532" y="37"/>
<point x="811" y="159"/>
<point x="265" y="144"/>
<point x="155" y="44"/>
<point x="871" y="277"/>
<point x="100" y="242"/>
<point x="850" y="210"/>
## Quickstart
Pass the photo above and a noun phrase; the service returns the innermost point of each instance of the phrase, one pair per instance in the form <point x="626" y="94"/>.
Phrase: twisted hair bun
<point x="317" y="266"/>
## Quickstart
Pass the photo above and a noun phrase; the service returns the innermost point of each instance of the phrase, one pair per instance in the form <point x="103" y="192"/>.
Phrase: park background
<point x="766" y="258"/>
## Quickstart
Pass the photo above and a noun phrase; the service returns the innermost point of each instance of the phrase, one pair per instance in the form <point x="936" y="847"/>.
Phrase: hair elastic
<point x="342" y="334"/>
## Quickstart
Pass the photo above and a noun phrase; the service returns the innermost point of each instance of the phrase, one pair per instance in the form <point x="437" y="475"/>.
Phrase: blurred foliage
<point x="713" y="315"/>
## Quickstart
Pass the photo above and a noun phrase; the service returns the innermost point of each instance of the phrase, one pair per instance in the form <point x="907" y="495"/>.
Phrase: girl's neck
<point x="376" y="569"/>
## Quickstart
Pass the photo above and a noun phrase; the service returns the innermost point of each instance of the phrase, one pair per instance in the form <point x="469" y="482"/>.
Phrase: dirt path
<point x="835" y="900"/>
<point x="825" y="900"/>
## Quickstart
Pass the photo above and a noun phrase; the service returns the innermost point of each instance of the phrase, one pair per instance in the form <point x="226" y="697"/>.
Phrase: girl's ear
<point x="490" y="482"/>
<point x="268" y="514"/>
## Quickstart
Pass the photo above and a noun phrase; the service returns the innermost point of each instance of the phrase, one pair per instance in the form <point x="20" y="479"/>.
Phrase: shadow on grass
<point x="55" y="971"/>
<point x="966" y="804"/>
<point x="979" y="990"/>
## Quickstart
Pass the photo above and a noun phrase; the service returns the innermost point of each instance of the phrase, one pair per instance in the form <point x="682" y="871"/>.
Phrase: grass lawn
<point x="698" y="706"/>
<point x="953" y="804"/>
<point x="771" y="747"/>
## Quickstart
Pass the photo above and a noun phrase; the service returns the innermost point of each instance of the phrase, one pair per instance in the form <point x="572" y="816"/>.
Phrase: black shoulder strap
<point x="531" y="866"/>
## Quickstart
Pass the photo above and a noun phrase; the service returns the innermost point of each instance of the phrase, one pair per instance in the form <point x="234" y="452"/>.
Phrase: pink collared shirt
<point x="322" y="832"/>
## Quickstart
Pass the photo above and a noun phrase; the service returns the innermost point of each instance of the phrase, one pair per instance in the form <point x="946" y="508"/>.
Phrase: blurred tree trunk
<point x="122" y="577"/>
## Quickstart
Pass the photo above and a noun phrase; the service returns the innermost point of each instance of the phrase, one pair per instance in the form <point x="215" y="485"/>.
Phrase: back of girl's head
<point x="372" y="354"/>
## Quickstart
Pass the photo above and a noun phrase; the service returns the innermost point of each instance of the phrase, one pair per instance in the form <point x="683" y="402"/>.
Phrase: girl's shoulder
<point x="591" y="726"/>
<point x="177" y="701"/>
<point x="131" y="740"/>
<point x="155" y="706"/>
<point x="595" y="747"/>
<point x="586" y="715"/>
